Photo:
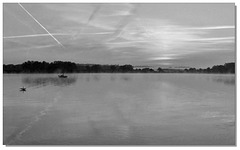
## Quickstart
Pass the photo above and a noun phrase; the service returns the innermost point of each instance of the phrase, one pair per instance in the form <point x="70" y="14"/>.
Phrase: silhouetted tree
<point x="148" y="70"/>
<point x="96" y="68"/>
<point x="230" y="67"/>
<point x="113" y="68"/>
<point x="126" y="68"/>
<point x="160" y="70"/>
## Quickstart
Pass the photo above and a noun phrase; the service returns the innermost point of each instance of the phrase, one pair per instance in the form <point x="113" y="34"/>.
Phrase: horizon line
<point x="167" y="67"/>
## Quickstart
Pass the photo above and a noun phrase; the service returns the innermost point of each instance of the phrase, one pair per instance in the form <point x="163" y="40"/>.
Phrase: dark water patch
<point x="113" y="78"/>
<point x="44" y="81"/>
<point x="224" y="80"/>
<point x="126" y="78"/>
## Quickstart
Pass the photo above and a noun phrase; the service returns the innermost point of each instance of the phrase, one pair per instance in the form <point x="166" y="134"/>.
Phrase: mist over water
<point x="44" y="81"/>
<point x="114" y="109"/>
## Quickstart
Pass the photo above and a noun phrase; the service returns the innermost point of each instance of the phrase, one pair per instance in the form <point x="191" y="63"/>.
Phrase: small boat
<point x="23" y="89"/>
<point x="62" y="76"/>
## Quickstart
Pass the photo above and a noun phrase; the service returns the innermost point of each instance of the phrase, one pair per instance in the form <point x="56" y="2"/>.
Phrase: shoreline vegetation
<point x="70" y="67"/>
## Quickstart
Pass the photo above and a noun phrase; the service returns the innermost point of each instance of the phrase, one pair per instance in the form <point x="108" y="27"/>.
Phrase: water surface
<point x="128" y="109"/>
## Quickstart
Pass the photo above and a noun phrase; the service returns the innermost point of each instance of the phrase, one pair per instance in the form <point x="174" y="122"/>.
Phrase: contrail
<point x="123" y="23"/>
<point x="40" y="24"/>
<point x="32" y="35"/>
<point x="93" y="14"/>
<point x="91" y="17"/>
<point x="214" y="28"/>
<point x="55" y="34"/>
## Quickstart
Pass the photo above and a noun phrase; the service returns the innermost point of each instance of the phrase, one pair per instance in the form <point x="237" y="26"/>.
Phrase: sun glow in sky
<point x="196" y="35"/>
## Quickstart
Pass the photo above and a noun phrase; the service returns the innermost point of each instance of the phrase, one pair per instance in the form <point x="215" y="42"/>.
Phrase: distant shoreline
<point x="35" y="67"/>
<point x="125" y="73"/>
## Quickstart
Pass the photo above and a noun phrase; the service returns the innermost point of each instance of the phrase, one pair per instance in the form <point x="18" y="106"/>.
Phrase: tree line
<point x="70" y="67"/>
<point x="226" y="68"/>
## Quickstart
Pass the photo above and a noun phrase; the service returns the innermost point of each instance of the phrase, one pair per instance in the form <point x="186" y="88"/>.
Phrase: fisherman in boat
<point x="62" y="76"/>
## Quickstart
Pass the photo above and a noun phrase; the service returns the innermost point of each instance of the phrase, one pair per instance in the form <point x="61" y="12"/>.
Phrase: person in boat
<point x="62" y="76"/>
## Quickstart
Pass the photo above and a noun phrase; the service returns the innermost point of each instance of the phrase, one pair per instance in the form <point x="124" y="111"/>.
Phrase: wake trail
<point x="35" y="119"/>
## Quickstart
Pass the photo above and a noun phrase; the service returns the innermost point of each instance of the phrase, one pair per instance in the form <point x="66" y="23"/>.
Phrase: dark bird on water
<point x="23" y="89"/>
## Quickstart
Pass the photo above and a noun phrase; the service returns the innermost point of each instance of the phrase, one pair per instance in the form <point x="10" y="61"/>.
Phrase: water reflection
<point x="120" y="109"/>
<point x="92" y="78"/>
<point x="44" y="81"/>
<point x="225" y="80"/>
<point x="126" y="78"/>
<point x="98" y="77"/>
<point x="113" y="78"/>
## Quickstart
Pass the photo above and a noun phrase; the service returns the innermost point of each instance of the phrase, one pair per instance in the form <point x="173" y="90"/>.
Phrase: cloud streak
<point x="34" y="35"/>
<point x="166" y="41"/>
<point x="212" y="28"/>
<point x="128" y="32"/>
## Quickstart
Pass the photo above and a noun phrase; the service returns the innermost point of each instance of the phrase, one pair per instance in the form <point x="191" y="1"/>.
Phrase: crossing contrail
<point x="93" y="14"/>
<point x="123" y="23"/>
<point x="91" y="17"/>
<point x="55" y="34"/>
<point x="32" y="35"/>
<point x="40" y="24"/>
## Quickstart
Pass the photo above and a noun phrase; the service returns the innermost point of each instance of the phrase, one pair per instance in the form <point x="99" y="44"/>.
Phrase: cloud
<point x="214" y="39"/>
<point x="161" y="58"/>
<point x="119" y="13"/>
<point x="126" y="32"/>
<point x="212" y="28"/>
<point x="165" y="40"/>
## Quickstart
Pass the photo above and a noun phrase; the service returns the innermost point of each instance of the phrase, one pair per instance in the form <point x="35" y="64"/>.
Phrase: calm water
<point x="129" y="109"/>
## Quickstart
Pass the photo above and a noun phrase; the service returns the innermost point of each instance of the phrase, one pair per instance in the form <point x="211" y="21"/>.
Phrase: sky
<point x="141" y="34"/>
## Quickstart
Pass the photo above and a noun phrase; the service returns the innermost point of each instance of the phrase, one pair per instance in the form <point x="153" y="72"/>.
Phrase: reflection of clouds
<point x="226" y="119"/>
<point x="94" y="77"/>
<point x="225" y="80"/>
<point x="97" y="77"/>
<point x="44" y="81"/>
